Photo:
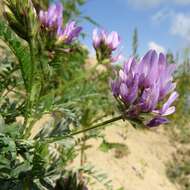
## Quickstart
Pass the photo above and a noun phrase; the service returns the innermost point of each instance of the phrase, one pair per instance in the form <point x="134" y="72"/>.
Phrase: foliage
<point x="179" y="169"/>
<point x="69" y="183"/>
<point x="120" y="149"/>
<point x="28" y="162"/>
<point x="95" y="176"/>
<point x="20" y="51"/>
<point x="181" y="131"/>
<point x="135" y="43"/>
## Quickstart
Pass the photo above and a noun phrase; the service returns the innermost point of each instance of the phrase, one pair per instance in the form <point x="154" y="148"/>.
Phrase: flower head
<point x="143" y="86"/>
<point x="104" y="44"/>
<point x="53" y="17"/>
<point x="69" y="33"/>
<point x="52" y="23"/>
<point x="102" y="38"/>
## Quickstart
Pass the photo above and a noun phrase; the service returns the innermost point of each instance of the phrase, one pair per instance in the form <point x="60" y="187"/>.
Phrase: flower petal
<point x="169" y="111"/>
<point x="115" y="86"/>
<point x="157" y="121"/>
<point x="124" y="91"/>
<point x="170" y="100"/>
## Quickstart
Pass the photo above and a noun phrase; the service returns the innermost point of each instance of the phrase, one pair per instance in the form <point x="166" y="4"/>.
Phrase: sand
<point x="144" y="166"/>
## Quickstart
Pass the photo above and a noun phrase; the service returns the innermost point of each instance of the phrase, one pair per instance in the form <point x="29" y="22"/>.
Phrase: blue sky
<point x="162" y="24"/>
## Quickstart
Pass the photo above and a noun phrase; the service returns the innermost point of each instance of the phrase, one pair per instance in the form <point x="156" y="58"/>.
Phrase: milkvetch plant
<point x="51" y="76"/>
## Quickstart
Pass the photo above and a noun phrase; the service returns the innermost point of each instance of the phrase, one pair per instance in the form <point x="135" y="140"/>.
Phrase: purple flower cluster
<point x="102" y="38"/>
<point x="143" y="86"/>
<point x="70" y="32"/>
<point x="52" y="20"/>
<point x="53" y="17"/>
<point x="105" y="43"/>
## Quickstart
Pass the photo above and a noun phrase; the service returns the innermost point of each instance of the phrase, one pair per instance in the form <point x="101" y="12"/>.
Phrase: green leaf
<point x="2" y="124"/>
<point x="91" y="21"/>
<point x="81" y="2"/>
<point x="20" y="51"/>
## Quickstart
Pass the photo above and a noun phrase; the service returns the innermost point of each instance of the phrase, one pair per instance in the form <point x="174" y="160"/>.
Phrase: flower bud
<point x="40" y="4"/>
<point x="22" y="17"/>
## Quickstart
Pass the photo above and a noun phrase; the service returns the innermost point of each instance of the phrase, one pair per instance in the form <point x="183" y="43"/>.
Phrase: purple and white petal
<point x="157" y="121"/>
<point x="124" y="91"/>
<point x="170" y="100"/>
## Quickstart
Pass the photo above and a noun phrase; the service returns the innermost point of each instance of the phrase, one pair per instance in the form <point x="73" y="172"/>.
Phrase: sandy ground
<point x="143" y="168"/>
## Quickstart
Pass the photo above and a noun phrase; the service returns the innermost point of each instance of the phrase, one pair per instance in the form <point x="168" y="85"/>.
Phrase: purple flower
<point x="104" y="44"/>
<point x="52" y="22"/>
<point x="69" y="33"/>
<point x="53" y="18"/>
<point x="143" y="86"/>
<point x="102" y="38"/>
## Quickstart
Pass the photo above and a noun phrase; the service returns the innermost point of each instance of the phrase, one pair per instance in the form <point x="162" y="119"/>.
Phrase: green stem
<point x="85" y="130"/>
<point x="32" y="54"/>
<point x="29" y="102"/>
<point x="42" y="71"/>
<point x="82" y="157"/>
<point x="43" y="79"/>
<point x="26" y="185"/>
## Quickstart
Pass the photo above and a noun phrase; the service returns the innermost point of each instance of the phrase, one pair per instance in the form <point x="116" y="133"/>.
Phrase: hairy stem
<point x="29" y="94"/>
<point x="82" y="157"/>
<point x="85" y="130"/>
<point x="42" y="70"/>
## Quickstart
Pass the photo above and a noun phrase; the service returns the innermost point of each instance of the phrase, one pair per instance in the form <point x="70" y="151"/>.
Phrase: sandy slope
<point x="143" y="168"/>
